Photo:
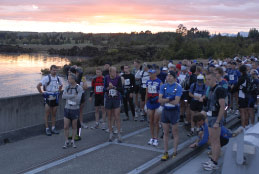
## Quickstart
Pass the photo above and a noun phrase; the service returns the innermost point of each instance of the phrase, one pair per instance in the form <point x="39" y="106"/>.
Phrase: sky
<point x="111" y="16"/>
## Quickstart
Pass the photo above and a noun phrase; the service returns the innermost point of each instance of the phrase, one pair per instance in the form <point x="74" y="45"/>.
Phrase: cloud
<point x="220" y="15"/>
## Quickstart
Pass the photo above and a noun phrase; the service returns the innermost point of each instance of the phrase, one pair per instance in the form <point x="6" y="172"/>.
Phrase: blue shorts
<point x="170" y="116"/>
<point x="112" y="103"/>
<point x="71" y="114"/>
<point x="152" y="106"/>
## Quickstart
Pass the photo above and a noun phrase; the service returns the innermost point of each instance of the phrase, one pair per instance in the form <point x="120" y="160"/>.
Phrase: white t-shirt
<point x="53" y="85"/>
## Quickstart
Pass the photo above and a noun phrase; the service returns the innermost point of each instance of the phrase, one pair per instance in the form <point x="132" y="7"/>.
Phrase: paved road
<point x="42" y="154"/>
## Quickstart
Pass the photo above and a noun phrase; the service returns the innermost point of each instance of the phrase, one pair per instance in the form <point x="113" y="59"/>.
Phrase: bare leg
<point x="166" y="134"/>
<point x="74" y="127"/>
<point x="176" y="136"/>
<point x="66" y="127"/>
<point x="47" y="112"/>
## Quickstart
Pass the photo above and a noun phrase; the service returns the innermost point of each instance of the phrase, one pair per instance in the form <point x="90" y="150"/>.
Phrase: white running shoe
<point x="150" y="142"/>
<point x="211" y="167"/>
<point x="155" y="142"/>
<point x="115" y="130"/>
<point x="206" y="163"/>
<point x="103" y="126"/>
<point x="84" y="126"/>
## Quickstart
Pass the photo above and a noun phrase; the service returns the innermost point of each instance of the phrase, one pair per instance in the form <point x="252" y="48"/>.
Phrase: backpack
<point x="73" y="88"/>
<point x="186" y="83"/>
<point x="249" y="88"/>
<point x="44" y="87"/>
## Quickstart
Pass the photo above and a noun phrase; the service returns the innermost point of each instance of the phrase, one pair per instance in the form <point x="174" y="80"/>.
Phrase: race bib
<point x="71" y="102"/>
<point x="127" y="82"/>
<point x="112" y="92"/>
<point x="197" y="95"/>
<point x="152" y="90"/>
<point x="99" y="88"/>
<point x="181" y="77"/>
<point x="231" y="77"/>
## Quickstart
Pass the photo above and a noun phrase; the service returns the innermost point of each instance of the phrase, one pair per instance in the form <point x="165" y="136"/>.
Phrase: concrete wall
<point x="23" y="116"/>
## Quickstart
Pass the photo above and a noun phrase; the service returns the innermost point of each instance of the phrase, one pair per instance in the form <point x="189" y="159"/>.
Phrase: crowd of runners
<point x="200" y="94"/>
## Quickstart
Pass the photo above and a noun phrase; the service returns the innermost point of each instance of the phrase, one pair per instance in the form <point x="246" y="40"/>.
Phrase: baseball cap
<point x="152" y="71"/>
<point x="164" y="69"/>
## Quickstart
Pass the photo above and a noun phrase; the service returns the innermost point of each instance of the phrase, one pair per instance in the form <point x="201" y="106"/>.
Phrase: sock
<point x="53" y="127"/>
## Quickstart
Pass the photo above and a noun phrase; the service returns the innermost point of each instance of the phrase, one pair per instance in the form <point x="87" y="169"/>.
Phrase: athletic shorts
<point x="51" y="103"/>
<point x="170" y="116"/>
<point x="98" y="100"/>
<point x="195" y="105"/>
<point x="243" y="102"/>
<point x="137" y="89"/>
<point x="143" y="93"/>
<point x="252" y="101"/>
<point x="223" y="141"/>
<point x="71" y="114"/>
<point x="212" y="121"/>
<point x="185" y="96"/>
<point x="152" y="106"/>
<point x="82" y="98"/>
<point x="112" y="103"/>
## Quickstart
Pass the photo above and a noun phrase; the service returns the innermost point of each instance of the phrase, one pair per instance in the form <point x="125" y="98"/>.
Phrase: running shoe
<point x="115" y="130"/>
<point x="48" y="132"/>
<point x="54" y="131"/>
<point x="110" y="137"/>
<point x="150" y="142"/>
<point x="103" y="126"/>
<point x="96" y="126"/>
<point x="155" y="142"/>
<point x="206" y="163"/>
<point x="73" y="144"/>
<point x="190" y="134"/>
<point x="126" y="119"/>
<point x="165" y="157"/>
<point x="84" y="126"/>
<point x="174" y="155"/>
<point x="119" y="138"/>
<point x="77" y="138"/>
<point x="107" y="130"/>
<point x="211" y="167"/>
<point x="66" y="145"/>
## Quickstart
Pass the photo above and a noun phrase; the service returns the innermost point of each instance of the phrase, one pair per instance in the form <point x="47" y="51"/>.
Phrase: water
<point x="20" y="74"/>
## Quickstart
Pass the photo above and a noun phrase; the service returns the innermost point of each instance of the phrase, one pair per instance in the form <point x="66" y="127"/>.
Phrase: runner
<point x="97" y="90"/>
<point x="113" y="90"/>
<point x="129" y="86"/>
<point x="197" y="93"/>
<point x="138" y="82"/>
<point x="72" y="94"/>
<point x="144" y="78"/>
<point x="215" y="113"/>
<point x="51" y="89"/>
<point x="169" y="96"/>
<point x="152" y="104"/>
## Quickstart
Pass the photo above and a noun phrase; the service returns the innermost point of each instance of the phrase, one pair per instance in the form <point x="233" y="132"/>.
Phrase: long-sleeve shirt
<point x="72" y="95"/>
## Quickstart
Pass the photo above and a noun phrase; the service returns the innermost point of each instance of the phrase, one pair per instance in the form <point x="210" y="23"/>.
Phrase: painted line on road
<point x="78" y="154"/>
<point x="158" y="158"/>
<point x="140" y="147"/>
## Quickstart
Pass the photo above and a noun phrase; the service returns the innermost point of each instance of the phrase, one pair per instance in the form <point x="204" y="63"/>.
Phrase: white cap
<point x="171" y="65"/>
<point x="200" y="77"/>
<point x="164" y="69"/>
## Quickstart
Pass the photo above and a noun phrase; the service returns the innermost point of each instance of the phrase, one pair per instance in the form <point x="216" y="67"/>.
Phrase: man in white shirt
<point x="51" y="88"/>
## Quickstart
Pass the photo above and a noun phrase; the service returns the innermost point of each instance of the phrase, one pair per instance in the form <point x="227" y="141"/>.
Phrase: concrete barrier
<point x="23" y="116"/>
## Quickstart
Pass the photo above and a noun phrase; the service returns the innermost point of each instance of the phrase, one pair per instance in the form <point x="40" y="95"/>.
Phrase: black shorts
<point x="251" y="101"/>
<point x="82" y="98"/>
<point x="51" y="103"/>
<point x="137" y="89"/>
<point x="185" y="96"/>
<point x="71" y="114"/>
<point x="98" y="100"/>
<point x="195" y="105"/>
<point x="112" y="103"/>
<point x="143" y="93"/>
<point x="243" y="102"/>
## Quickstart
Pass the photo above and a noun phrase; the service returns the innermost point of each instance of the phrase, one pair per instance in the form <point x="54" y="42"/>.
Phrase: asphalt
<point x="94" y="154"/>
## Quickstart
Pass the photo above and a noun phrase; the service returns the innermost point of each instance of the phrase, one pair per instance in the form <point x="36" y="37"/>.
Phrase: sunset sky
<point x="105" y="16"/>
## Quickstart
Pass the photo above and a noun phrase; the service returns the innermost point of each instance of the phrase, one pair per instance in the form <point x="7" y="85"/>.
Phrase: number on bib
<point x="127" y="82"/>
<point x="99" y="88"/>
<point x="112" y="92"/>
<point x="231" y="77"/>
<point x="152" y="90"/>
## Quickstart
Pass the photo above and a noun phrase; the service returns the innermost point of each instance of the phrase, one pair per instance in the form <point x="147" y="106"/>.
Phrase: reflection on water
<point x="19" y="74"/>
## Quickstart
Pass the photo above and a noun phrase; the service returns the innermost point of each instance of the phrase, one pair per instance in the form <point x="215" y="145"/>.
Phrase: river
<point x="20" y="73"/>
